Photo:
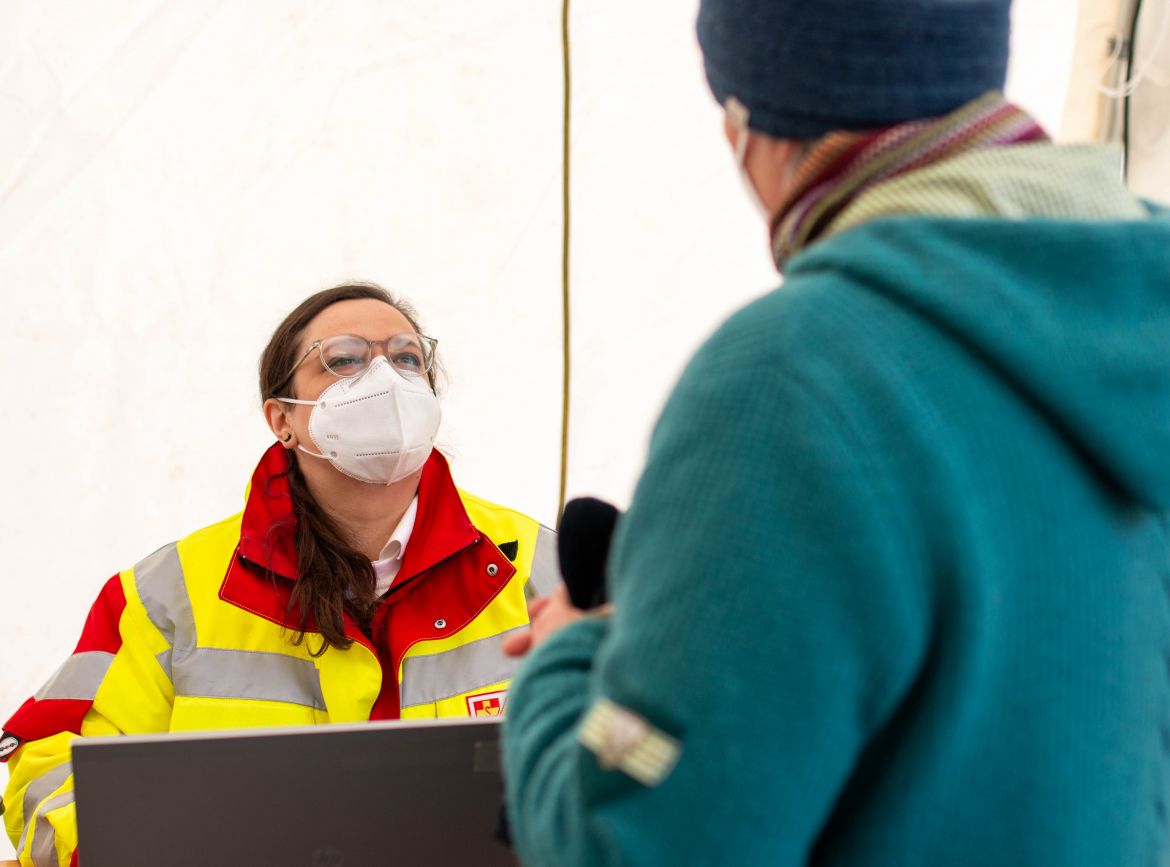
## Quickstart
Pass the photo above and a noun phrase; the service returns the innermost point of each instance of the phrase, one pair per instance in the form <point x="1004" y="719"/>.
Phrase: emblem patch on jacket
<point x="626" y="741"/>
<point x="8" y="745"/>
<point x="487" y="703"/>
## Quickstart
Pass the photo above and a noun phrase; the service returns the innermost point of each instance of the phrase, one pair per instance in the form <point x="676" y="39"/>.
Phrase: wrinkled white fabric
<point x="389" y="562"/>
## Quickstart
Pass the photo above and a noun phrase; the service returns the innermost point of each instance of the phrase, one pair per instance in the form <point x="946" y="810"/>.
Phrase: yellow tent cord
<point x="565" y="337"/>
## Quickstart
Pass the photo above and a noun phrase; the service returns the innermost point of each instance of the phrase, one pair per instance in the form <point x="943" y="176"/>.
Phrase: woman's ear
<point x="279" y="419"/>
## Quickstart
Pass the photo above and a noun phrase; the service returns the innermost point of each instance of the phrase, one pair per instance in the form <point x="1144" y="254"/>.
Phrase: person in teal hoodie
<point x="894" y="587"/>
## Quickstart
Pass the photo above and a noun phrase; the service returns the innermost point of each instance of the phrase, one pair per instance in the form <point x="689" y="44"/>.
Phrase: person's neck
<point x="366" y="514"/>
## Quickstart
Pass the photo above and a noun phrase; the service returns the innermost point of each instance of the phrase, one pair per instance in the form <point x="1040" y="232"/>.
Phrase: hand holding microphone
<point x="583" y="542"/>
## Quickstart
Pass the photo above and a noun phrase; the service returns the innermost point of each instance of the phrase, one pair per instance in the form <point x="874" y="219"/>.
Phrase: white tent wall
<point x="1149" y="155"/>
<point x="174" y="177"/>
<point x="1096" y="107"/>
<point x="1090" y="115"/>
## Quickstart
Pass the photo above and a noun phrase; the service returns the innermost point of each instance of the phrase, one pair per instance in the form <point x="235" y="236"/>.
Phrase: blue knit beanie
<point x="804" y="68"/>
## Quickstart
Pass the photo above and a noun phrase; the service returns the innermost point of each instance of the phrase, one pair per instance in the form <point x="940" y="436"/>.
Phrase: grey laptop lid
<point x="397" y="793"/>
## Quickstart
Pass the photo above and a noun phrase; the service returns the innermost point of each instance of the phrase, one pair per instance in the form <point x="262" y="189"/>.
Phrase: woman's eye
<point x="345" y="363"/>
<point x="408" y="361"/>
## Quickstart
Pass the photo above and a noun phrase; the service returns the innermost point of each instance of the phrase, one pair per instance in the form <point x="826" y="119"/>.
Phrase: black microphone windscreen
<point x="583" y="546"/>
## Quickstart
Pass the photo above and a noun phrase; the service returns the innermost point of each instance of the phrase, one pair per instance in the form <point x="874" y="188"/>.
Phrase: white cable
<point x="1143" y="73"/>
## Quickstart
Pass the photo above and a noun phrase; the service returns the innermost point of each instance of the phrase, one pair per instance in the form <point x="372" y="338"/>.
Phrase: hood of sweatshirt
<point x="1073" y="314"/>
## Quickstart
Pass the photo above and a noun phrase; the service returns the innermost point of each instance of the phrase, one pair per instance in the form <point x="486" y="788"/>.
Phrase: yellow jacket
<point x="197" y="636"/>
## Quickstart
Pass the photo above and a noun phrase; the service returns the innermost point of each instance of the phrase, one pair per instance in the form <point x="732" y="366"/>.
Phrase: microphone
<point x="583" y="540"/>
<point x="582" y="548"/>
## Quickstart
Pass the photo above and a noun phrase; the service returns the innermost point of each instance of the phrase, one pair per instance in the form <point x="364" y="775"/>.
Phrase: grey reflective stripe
<point x="44" y="845"/>
<point x="163" y="591"/>
<point x="211" y="672"/>
<point x="545" y="574"/>
<point x="427" y="679"/>
<point x="78" y="678"/>
<point x="164" y="660"/>
<point x="36" y="791"/>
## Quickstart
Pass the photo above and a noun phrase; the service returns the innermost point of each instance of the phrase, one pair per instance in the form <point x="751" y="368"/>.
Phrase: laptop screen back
<point x="334" y="796"/>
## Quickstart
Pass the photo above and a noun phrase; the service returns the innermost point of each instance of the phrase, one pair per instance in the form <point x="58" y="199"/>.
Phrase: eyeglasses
<point x="346" y="355"/>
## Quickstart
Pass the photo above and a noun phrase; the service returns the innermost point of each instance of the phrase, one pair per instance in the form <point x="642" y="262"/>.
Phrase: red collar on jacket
<point x="268" y="534"/>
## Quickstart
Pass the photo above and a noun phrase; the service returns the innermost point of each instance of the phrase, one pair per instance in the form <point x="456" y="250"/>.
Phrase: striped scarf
<point x="843" y="165"/>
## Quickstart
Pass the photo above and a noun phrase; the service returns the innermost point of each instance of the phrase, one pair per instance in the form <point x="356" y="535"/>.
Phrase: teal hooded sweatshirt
<point x="895" y="579"/>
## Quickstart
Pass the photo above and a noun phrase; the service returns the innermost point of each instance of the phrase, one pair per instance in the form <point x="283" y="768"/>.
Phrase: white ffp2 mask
<point x="377" y="427"/>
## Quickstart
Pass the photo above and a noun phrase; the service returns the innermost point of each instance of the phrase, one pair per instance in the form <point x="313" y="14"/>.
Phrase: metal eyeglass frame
<point x="428" y="357"/>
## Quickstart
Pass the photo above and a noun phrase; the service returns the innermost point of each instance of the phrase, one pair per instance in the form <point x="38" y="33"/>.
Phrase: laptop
<point x="386" y="793"/>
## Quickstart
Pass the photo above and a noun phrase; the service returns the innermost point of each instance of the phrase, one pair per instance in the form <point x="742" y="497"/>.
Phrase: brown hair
<point x="335" y="579"/>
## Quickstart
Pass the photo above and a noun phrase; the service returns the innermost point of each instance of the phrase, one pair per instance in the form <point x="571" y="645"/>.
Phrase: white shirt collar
<point x="390" y="559"/>
<point x="395" y="546"/>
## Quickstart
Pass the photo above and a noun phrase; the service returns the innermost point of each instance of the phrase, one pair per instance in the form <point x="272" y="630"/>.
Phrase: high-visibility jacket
<point x="198" y="636"/>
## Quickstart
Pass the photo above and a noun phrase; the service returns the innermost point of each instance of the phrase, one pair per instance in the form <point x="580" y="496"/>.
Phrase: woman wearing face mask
<point x="358" y="582"/>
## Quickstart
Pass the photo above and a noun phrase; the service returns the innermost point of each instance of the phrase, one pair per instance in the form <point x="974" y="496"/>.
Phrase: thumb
<point x="518" y="643"/>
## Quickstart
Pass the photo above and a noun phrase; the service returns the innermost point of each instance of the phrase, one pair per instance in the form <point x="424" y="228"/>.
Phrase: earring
<point x="286" y="437"/>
